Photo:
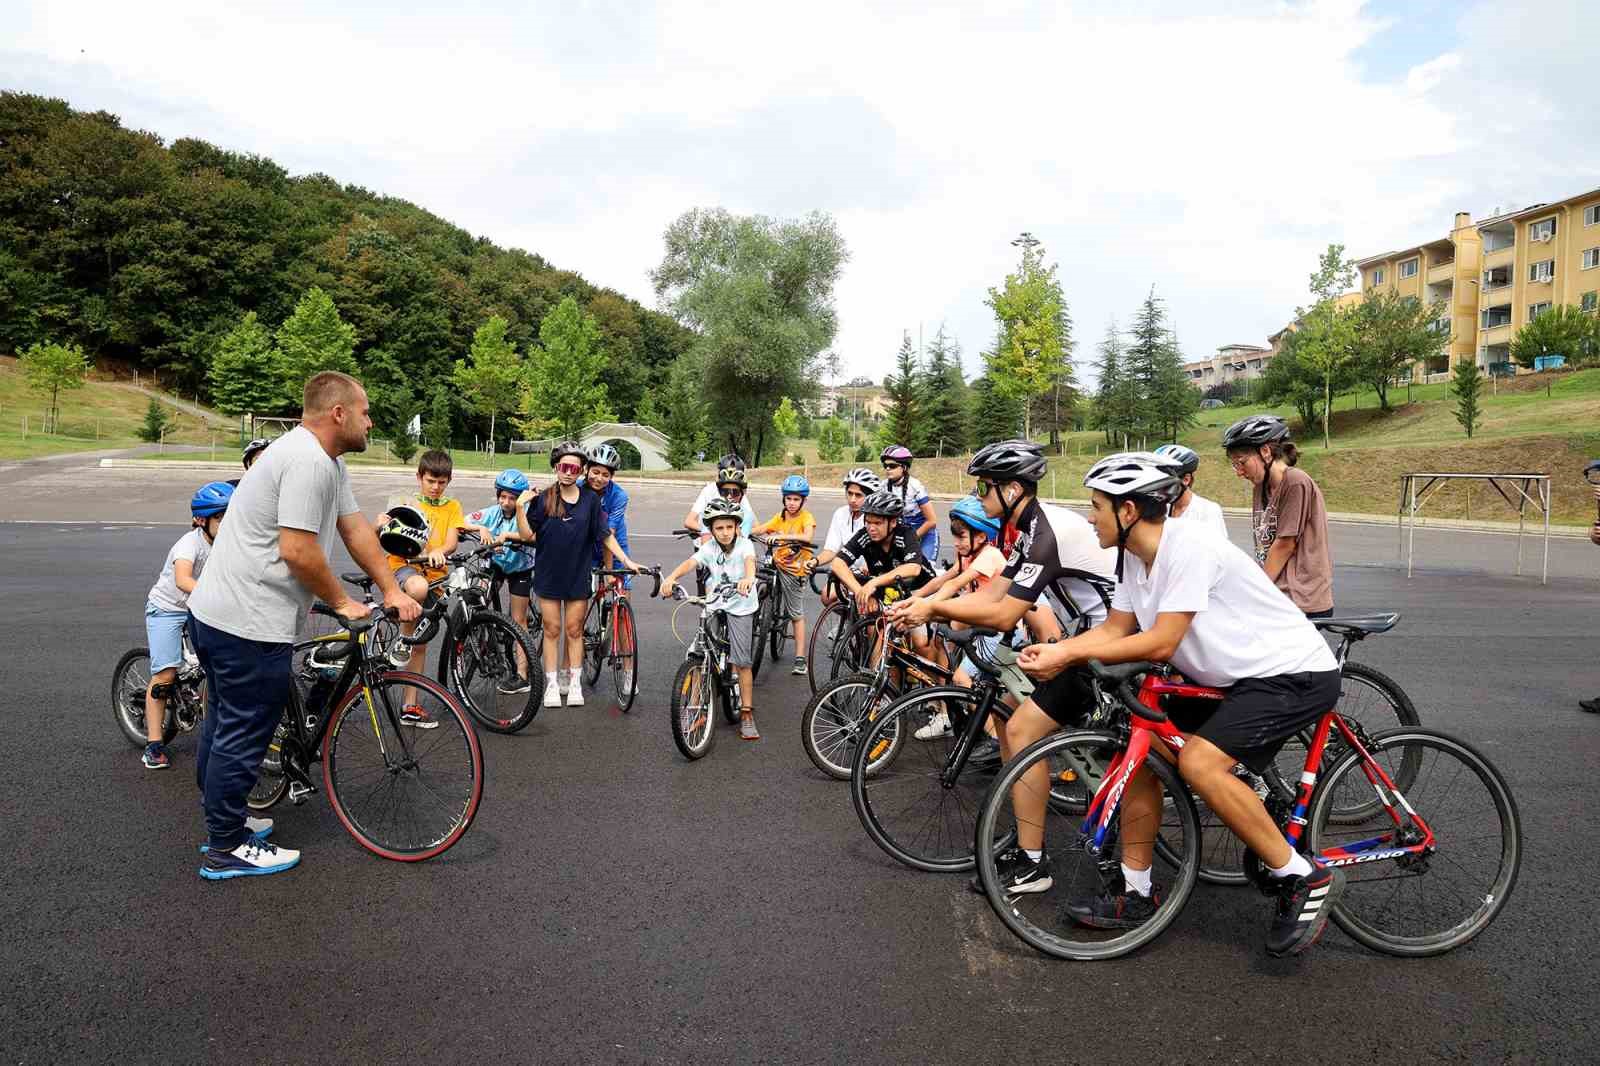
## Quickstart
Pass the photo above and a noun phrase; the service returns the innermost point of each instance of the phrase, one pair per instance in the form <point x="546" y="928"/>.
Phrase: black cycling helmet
<point x="1009" y="460"/>
<point x="1591" y="473"/>
<point x="731" y="475"/>
<point x="564" y="449"/>
<point x="731" y="459"/>
<point x="1255" y="431"/>
<point x="717" y="507"/>
<point x="884" y="504"/>
<point x="251" y="450"/>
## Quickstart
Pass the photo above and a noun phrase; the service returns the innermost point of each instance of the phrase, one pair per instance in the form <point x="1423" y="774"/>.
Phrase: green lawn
<point x="99" y="415"/>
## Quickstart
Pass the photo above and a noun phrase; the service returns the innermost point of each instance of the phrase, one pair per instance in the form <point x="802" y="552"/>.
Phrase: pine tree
<point x="244" y="376"/>
<point x="156" y="422"/>
<point x="1175" y="402"/>
<point x="311" y="340"/>
<point x="1141" y="365"/>
<point x="438" y="427"/>
<point x="1466" y="388"/>
<point x="995" y="416"/>
<point x="942" y="423"/>
<point x="904" y="389"/>
<point x="1117" y="398"/>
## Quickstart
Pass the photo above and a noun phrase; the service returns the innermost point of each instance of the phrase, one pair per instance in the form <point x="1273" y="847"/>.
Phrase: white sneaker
<point x="552" y="694"/>
<point x="252" y="858"/>
<point x="938" y="726"/>
<point x="575" y="692"/>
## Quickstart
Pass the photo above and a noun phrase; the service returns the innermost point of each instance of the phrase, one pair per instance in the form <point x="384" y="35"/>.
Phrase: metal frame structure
<point x="1412" y="501"/>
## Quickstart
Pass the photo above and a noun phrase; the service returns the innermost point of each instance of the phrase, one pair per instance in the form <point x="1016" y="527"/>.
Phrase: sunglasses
<point x="729" y="493"/>
<point x="568" y="468"/>
<point x="892" y="466"/>
<point x="983" y="488"/>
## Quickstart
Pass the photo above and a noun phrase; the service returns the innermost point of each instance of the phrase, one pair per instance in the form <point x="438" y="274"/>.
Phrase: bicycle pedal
<point x="298" y="791"/>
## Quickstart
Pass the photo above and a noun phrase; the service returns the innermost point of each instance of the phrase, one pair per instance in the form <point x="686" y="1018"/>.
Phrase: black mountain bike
<point x="404" y="793"/>
<point x="706" y="679"/>
<point x="186" y="704"/>
<point x="773" y="629"/>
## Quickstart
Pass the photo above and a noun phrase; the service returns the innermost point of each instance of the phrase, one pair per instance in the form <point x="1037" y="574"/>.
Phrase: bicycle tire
<point x="1038" y="919"/>
<point x="831" y="622"/>
<point x="594" y="640"/>
<point x="1381" y="895"/>
<point x="778" y="625"/>
<point x="879" y="785"/>
<point x="624" y="657"/>
<point x="693" y="728"/>
<point x="128" y="686"/>
<point x="478" y="657"/>
<point x="758" y="631"/>
<point x="834" y="717"/>
<point x="362" y="795"/>
<point x="854" y="653"/>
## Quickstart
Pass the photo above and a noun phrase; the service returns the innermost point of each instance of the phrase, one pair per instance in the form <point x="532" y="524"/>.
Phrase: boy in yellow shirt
<point x="443" y="518"/>
<point x="793" y="523"/>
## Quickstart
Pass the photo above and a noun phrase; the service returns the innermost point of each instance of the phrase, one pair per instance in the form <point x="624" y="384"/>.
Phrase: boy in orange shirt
<point x="793" y="523"/>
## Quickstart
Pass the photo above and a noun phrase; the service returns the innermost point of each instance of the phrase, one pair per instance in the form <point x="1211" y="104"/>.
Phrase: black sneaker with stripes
<point x="1304" y="904"/>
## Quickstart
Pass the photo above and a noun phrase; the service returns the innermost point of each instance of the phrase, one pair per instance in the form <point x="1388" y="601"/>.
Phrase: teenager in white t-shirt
<point x="1188" y="598"/>
<point x="1191" y="506"/>
<point x="847" y="520"/>
<point x="730" y="484"/>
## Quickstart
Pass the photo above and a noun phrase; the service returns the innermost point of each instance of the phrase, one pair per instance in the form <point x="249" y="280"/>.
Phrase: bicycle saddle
<point x="1359" y="625"/>
<point x="357" y="578"/>
<point x="963" y="637"/>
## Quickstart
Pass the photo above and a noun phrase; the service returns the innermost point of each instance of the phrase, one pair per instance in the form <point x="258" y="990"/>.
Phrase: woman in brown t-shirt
<point x="1289" y="519"/>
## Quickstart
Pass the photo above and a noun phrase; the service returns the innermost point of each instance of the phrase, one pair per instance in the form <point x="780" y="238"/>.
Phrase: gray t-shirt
<point x="165" y="593"/>
<point x="246" y="588"/>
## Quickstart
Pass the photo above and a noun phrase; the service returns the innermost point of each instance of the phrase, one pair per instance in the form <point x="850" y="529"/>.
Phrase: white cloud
<point x="1212" y="154"/>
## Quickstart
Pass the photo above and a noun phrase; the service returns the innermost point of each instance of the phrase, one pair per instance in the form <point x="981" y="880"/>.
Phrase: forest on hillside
<point x="147" y="254"/>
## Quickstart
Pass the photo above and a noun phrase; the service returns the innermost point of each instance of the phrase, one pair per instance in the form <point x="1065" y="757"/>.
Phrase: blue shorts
<point x="987" y="646"/>
<point x="163" y="632"/>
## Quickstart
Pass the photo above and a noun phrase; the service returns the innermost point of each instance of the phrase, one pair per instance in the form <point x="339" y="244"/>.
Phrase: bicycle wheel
<point x="832" y="722"/>
<point x="1222" y="854"/>
<point x="482" y="665"/>
<point x="271" y="782"/>
<point x="1428" y="903"/>
<point x="404" y="794"/>
<point x="778" y="628"/>
<point x="693" y="730"/>
<point x="128" y="684"/>
<point x="897" y="789"/>
<point x="759" y="628"/>
<point x="825" y="634"/>
<point x="594" y="633"/>
<point x="624" y="657"/>
<point x="854" y="651"/>
<point x="1040" y="918"/>
<point x="1369" y="698"/>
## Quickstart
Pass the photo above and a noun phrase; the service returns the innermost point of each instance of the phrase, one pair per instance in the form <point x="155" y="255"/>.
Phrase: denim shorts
<point x="163" y="632"/>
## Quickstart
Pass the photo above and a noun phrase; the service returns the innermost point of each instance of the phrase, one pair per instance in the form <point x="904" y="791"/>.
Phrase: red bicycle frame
<point x="1150" y="721"/>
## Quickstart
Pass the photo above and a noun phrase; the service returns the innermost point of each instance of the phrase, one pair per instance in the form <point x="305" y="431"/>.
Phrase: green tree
<point x="1174" y="402"/>
<point x="438" y="429"/>
<point x="646" y="413"/>
<point x="995" y="415"/>
<point x="1117" y="397"/>
<point x="1392" y="334"/>
<point x="758" y="292"/>
<point x="1032" y="352"/>
<point x="685" y="416"/>
<point x="942" y="427"/>
<point x="312" y="339"/>
<point x="1327" y="332"/>
<point x="490" y="379"/>
<point x="562" y="391"/>
<point x="393" y="402"/>
<point x="904" y="388"/>
<point x="1466" y="387"/>
<point x="833" y="437"/>
<point x="156" y="422"/>
<point x="1290" y="379"/>
<point x="244" y="377"/>
<point x="863" y="453"/>
<point x="53" y="369"/>
<point x="1562" y="330"/>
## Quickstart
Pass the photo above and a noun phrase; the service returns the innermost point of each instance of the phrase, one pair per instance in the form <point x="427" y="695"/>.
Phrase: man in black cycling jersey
<point x="1054" y="549"/>
<point x="887" y="549"/>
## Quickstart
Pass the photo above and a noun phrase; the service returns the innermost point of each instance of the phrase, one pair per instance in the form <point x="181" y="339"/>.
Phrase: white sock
<point x="1138" y="881"/>
<point x="550" y="679"/>
<point x="1033" y="856"/>
<point x="1297" y="866"/>
<point x="573" y="676"/>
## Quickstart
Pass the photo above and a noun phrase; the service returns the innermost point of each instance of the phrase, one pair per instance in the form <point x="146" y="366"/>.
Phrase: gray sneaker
<point x="799" y="666"/>
<point x="747" y="727"/>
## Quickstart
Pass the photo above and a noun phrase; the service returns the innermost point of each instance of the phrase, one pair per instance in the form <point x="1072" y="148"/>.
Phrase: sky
<point x="1210" y="150"/>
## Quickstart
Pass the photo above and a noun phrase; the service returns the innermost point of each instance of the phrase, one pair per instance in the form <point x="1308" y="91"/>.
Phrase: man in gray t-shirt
<point x="270" y="560"/>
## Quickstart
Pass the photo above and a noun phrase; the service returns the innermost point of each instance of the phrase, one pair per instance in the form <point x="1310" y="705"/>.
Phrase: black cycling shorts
<point x="1068" y="697"/>
<point x="1258" y="714"/>
<point x="520" y="583"/>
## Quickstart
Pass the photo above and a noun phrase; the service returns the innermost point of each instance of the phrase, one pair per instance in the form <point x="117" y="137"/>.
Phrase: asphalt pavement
<point x="614" y="903"/>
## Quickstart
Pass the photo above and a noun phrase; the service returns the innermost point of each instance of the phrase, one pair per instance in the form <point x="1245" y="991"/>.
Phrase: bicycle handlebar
<point x="643" y="571"/>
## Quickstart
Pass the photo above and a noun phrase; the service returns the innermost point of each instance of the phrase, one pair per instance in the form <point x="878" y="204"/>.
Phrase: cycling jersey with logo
<point x="1053" y="545"/>
<point x="897" y="550"/>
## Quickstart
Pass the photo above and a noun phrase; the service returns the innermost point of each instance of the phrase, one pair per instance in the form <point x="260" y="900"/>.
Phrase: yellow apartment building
<point x="1488" y="278"/>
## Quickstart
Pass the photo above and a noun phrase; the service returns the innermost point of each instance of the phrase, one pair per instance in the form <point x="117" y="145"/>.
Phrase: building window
<point x="1544" y="270"/>
<point x="1591" y="258"/>
<point x="1543" y="230"/>
<point x="1377" y="276"/>
<point x="1591" y="215"/>
<point x="1535" y="310"/>
<point x="1496" y="316"/>
<point x="1408" y="269"/>
<point x="1590" y="301"/>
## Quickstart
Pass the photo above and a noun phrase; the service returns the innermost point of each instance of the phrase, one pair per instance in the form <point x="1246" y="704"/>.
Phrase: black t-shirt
<point x="896" y="551"/>
<point x="1056" y="550"/>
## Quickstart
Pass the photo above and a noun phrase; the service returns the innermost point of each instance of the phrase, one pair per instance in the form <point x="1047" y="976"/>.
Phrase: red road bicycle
<point x="1428" y="866"/>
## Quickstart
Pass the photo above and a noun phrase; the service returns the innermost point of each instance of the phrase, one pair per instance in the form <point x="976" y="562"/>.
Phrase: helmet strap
<point x="1122" y="533"/>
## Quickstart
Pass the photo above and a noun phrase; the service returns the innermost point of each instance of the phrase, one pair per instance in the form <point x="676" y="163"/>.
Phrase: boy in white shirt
<point x="1190" y="599"/>
<point x="1191" y="506"/>
<point x="847" y="519"/>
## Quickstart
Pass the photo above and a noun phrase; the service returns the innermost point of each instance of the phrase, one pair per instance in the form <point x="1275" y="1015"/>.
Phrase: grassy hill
<point x="102" y="414"/>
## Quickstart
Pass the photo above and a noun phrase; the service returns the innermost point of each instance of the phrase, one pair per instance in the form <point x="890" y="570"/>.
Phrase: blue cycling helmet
<point x="511" y="480"/>
<point x="971" y="514"/>
<point x="210" y="499"/>
<point x="795" y="485"/>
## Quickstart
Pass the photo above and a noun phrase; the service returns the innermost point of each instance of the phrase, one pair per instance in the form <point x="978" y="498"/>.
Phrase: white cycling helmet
<point x="864" y="479"/>
<point x="1134" y="474"/>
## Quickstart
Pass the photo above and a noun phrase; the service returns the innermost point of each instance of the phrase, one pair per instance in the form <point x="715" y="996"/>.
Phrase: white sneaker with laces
<point x="552" y="692"/>
<point x="252" y="858"/>
<point x="574" y="690"/>
<point x="938" y="726"/>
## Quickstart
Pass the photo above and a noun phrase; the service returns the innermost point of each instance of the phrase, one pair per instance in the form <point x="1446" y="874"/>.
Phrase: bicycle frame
<point x="1149" y="724"/>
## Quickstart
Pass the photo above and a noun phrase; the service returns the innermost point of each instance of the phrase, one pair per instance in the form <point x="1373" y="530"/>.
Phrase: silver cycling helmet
<point x="1179" y="460"/>
<point x="866" y="480"/>
<point x="1255" y="431"/>
<point x="607" y="456"/>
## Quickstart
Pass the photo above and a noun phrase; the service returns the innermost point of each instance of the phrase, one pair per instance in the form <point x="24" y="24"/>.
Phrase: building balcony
<point x="1442" y="273"/>
<point x="1499" y="257"/>
<point x="1492" y="335"/>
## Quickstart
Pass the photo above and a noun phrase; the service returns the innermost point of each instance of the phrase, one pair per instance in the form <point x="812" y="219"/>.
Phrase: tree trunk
<point x="761" y="440"/>
<point x="491" y="431"/>
<point x="1327" y="405"/>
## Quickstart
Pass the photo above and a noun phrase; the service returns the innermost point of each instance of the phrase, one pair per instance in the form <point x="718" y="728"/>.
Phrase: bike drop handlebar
<point x="643" y="571"/>
<point x="1120" y="677"/>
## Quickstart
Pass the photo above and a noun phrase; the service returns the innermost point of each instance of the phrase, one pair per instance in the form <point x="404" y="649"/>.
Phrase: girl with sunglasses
<point x="568" y="524"/>
<point x="917" y="516"/>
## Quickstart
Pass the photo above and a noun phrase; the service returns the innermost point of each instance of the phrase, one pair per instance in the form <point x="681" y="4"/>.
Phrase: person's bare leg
<point x="1029" y="794"/>
<point x="416" y="587"/>
<point x="155" y="710"/>
<point x="572" y="623"/>
<point x="1209" y="772"/>
<point x="519" y="615"/>
<point x="550" y="620"/>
